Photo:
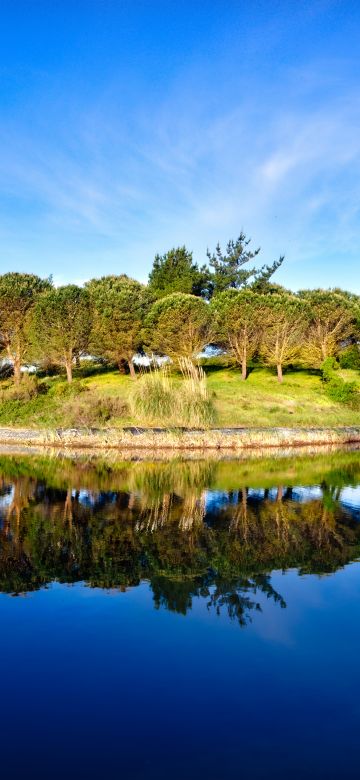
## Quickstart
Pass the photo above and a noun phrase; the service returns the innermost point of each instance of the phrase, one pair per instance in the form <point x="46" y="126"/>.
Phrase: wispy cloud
<point x="117" y="186"/>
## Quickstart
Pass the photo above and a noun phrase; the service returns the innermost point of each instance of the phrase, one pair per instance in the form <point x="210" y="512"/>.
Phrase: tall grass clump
<point x="197" y="408"/>
<point x="158" y="398"/>
<point x="152" y="397"/>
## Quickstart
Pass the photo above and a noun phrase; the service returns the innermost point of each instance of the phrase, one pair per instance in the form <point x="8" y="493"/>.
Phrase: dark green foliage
<point x="343" y="392"/>
<point x="119" y="306"/>
<point x="176" y="271"/>
<point x="336" y="388"/>
<point x="229" y="271"/>
<point x="328" y="367"/>
<point x="350" y="357"/>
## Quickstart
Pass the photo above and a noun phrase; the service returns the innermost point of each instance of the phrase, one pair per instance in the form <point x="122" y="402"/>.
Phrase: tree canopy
<point x="178" y="326"/>
<point x="61" y="325"/>
<point x="119" y="307"/>
<point x="228" y="268"/>
<point x="18" y="295"/>
<point x="284" y="325"/>
<point x="238" y="319"/>
<point x="176" y="271"/>
<point x="333" y="318"/>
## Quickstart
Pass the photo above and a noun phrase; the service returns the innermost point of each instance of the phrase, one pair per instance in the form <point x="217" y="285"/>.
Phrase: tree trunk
<point x="68" y="366"/>
<point x="244" y="368"/>
<point x="17" y="369"/>
<point x="122" y="365"/>
<point x="132" y="369"/>
<point x="279" y="372"/>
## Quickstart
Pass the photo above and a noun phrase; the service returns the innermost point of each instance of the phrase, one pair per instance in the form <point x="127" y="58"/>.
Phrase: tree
<point x="284" y="327"/>
<point x="238" y="317"/>
<point x="176" y="272"/>
<point x="178" y="326"/>
<point x="332" y="321"/>
<point x="61" y="325"/>
<point x="119" y="307"/>
<point x="18" y="295"/>
<point x="228" y="268"/>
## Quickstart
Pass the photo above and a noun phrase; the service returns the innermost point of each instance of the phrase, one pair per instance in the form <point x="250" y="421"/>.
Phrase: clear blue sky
<point x="130" y="127"/>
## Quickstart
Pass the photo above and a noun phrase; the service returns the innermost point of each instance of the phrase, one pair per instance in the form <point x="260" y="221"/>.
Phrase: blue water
<point x="99" y="683"/>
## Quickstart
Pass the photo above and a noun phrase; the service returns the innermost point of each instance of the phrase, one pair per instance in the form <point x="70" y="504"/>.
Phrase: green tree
<point x="119" y="306"/>
<point x="18" y="295"/>
<point x="229" y="269"/>
<point x="178" y="326"/>
<point x="284" y="319"/>
<point x="238" y="319"/>
<point x="176" y="271"/>
<point x="333" y="320"/>
<point x="61" y="324"/>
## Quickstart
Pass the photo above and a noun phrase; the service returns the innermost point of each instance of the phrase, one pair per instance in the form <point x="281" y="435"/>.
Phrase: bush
<point x="90" y="410"/>
<point x="350" y="358"/>
<point x="66" y="389"/>
<point x="328" y="367"/>
<point x="343" y="392"/>
<point x="29" y="388"/>
<point x="336" y="388"/>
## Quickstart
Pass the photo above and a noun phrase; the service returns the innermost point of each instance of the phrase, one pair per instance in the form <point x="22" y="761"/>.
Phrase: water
<point x="180" y="619"/>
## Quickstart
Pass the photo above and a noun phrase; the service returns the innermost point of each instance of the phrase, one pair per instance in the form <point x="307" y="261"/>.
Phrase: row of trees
<point x="115" y="317"/>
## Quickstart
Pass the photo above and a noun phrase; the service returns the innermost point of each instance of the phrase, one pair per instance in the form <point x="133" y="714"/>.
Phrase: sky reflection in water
<point x="161" y="628"/>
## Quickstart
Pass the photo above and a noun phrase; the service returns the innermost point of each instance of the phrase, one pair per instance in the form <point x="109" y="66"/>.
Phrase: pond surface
<point x="183" y="619"/>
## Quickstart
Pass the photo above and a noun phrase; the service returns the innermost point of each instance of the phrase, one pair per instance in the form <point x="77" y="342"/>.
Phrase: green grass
<point x="260" y="401"/>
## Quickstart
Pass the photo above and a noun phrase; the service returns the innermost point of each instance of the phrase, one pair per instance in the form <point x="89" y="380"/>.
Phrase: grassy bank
<point x="104" y="400"/>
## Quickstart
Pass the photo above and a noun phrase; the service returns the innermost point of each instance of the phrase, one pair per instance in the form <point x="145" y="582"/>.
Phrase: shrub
<point x="66" y="389"/>
<point x="88" y="410"/>
<point x="328" y="367"/>
<point x="29" y="388"/>
<point x="343" y="392"/>
<point x="336" y="388"/>
<point x="350" y="358"/>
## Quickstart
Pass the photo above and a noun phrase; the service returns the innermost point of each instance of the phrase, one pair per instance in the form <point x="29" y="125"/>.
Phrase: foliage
<point x="332" y="321"/>
<point x="18" y="295"/>
<point x="337" y="388"/>
<point x="228" y="268"/>
<point x="284" y="323"/>
<point x="350" y="357"/>
<point x="178" y="326"/>
<point x="60" y="326"/>
<point x="176" y="271"/>
<point x="29" y="388"/>
<point x="119" y="307"/>
<point x="239" y="321"/>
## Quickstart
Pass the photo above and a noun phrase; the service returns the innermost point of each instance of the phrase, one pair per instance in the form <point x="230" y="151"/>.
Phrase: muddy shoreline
<point x="228" y="440"/>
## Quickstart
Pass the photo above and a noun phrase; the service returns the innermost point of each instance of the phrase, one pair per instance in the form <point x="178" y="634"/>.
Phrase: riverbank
<point x="105" y="400"/>
<point x="134" y="438"/>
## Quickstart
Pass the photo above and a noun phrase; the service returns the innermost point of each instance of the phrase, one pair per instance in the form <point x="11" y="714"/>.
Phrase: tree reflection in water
<point x="169" y="524"/>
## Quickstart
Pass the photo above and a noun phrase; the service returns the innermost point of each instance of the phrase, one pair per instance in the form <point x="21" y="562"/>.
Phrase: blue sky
<point x="127" y="128"/>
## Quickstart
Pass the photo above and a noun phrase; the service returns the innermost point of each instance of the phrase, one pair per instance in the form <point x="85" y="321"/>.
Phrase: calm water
<point x="180" y="620"/>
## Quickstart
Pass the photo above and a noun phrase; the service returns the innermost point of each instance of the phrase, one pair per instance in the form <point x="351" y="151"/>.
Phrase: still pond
<point x="178" y="619"/>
